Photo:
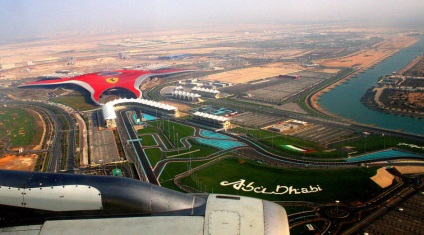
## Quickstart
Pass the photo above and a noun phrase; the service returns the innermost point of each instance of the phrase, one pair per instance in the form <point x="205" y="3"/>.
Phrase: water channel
<point x="344" y="100"/>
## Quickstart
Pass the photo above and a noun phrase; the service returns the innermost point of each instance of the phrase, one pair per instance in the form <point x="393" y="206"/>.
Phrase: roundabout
<point x="337" y="212"/>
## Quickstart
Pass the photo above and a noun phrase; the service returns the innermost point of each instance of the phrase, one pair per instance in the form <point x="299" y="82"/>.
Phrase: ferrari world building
<point x="98" y="83"/>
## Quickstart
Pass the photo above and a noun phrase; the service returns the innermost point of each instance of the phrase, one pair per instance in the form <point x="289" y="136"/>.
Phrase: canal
<point x="345" y="99"/>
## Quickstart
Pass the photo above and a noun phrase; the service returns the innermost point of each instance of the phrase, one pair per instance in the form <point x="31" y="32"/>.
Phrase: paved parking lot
<point x="255" y="120"/>
<point x="275" y="89"/>
<point x="322" y="133"/>
<point x="103" y="147"/>
<point x="406" y="218"/>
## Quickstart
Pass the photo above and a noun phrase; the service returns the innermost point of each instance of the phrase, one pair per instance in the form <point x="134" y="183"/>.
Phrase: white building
<point x="182" y="95"/>
<point x="151" y="106"/>
<point x="212" y="120"/>
<point x="206" y="92"/>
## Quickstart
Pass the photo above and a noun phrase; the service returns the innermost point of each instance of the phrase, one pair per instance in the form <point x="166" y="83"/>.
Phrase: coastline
<point x="314" y="98"/>
<point x="371" y="101"/>
<point x="411" y="64"/>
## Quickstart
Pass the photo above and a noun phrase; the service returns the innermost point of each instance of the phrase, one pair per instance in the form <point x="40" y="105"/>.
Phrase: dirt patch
<point x="330" y="71"/>
<point x="23" y="163"/>
<point x="356" y="60"/>
<point x="416" y="98"/>
<point x="255" y="73"/>
<point x="398" y="42"/>
<point x="383" y="178"/>
<point x="369" y="57"/>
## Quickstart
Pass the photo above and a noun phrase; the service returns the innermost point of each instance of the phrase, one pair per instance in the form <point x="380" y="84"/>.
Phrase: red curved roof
<point x="97" y="83"/>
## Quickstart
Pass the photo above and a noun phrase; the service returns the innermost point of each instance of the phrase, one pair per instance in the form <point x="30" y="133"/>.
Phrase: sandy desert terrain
<point x="22" y="163"/>
<point x="366" y="58"/>
<point x="255" y="73"/>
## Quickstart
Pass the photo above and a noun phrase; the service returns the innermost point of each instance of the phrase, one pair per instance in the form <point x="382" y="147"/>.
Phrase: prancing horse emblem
<point x="112" y="80"/>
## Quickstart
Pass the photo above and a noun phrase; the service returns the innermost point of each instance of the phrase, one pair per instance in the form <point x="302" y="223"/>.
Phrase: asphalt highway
<point x="147" y="168"/>
<point x="55" y="152"/>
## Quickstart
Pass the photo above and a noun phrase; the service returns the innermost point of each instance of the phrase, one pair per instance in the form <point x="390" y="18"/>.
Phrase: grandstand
<point x="207" y="92"/>
<point x="212" y="120"/>
<point x="148" y="106"/>
<point x="182" y="95"/>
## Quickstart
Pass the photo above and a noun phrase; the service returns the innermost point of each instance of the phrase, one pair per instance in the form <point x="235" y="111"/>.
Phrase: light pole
<point x="100" y="166"/>
<point x="189" y="149"/>
<point x="337" y="206"/>
<point x="178" y="147"/>
<point x="384" y="141"/>
<point x="365" y="145"/>
<point x="157" y="123"/>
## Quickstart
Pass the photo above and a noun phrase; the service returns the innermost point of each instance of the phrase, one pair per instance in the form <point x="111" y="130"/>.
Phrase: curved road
<point x="252" y="145"/>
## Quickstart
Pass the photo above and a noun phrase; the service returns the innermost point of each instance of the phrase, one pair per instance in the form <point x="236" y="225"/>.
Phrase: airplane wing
<point x="47" y="203"/>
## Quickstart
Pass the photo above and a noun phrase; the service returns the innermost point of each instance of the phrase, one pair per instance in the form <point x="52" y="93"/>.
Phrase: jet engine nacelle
<point x="40" y="203"/>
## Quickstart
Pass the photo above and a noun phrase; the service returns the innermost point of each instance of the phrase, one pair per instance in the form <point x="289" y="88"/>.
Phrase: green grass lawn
<point x="148" y="140"/>
<point x="346" y="185"/>
<point x="154" y="155"/>
<point x="75" y="100"/>
<point x="362" y="144"/>
<point x="277" y="141"/>
<point x="187" y="131"/>
<point x="204" y="151"/>
<point x="175" y="168"/>
<point x="21" y="125"/>
<point x="377" y="142"/>
<point x="151" y="129"/>
<point x="172" y="128"/>
<point x="147" y="130"/>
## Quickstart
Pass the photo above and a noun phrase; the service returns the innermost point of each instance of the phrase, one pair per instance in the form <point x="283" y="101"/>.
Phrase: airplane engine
<point x="40" y="203"/>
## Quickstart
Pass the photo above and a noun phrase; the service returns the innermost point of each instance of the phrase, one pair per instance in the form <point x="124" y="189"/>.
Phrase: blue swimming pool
<point x="221" y="144"/>
<point x="386" y="154"/>
<point x="214" y="135"/>
<point x="149" y="117"/>
<point x="135" y="119"/>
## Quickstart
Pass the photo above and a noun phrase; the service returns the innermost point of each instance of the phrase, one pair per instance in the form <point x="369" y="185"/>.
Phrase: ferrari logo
<point x="112" y="80"/>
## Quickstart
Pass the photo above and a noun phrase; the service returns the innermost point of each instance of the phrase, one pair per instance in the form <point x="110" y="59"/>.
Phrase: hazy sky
<point x="34" y="17"/>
